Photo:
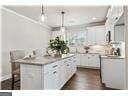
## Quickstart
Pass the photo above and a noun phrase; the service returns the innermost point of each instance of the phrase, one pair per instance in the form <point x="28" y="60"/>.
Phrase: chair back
<point x="15" y="55"/>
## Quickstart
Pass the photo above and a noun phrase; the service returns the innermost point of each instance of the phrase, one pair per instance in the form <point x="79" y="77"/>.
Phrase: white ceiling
<point x="75" y="15"/>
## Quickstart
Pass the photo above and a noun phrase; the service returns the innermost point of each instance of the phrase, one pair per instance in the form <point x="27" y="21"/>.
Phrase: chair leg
<point x="13" y="78"/>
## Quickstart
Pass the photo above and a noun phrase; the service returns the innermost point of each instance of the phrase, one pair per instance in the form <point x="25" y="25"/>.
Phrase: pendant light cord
<point x="62" y="18"/>
<point x="42" y="10"/>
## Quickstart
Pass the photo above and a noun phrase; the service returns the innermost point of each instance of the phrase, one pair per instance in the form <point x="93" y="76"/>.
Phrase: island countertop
<point x="42" y="60"/>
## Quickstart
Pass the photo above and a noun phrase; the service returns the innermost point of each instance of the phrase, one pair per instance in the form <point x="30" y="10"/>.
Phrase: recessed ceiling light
<point x="94" y="18"/>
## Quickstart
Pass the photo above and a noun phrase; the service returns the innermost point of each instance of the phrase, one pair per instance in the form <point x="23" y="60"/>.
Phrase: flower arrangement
<point x="58" y="46"/>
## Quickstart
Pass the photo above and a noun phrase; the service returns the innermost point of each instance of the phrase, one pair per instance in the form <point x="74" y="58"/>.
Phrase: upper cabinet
<point x="96" y="35"/>
<point x="113" y="15"/>
<point x="119" y="31"/>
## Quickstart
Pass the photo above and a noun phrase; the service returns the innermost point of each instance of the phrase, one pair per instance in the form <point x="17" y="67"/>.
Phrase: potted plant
<point x="58" y="46"/>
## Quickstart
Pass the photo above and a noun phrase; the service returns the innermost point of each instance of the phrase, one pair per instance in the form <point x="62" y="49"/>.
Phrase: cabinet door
<point x="68" y="68"/>
<point x="51" y="76"/>
<point x="78" y="59"/>
<point x="100" y="35"/>
<point x="91" y="36"/>
<point x="62" y="73"/>
<point x="93" y="60"/>
<point x="113" y="73"/>
<point x="96" y="35"/>
<point x="50" y="80"/>
<point x="74" y="64"/>
<point x="84" y="60"/>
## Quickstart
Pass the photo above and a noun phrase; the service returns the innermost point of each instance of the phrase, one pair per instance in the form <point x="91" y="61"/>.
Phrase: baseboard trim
<point x="5" y="77"/>
<point x="88" y="67"/>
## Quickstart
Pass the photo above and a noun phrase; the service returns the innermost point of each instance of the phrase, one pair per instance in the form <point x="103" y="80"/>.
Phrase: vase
<point x="57" y="54"/>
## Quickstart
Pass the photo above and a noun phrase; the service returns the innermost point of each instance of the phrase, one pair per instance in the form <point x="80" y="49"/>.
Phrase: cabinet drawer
<point x="50" y="67"/>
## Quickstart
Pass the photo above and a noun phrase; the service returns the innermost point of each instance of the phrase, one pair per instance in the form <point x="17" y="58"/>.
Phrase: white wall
<point x="126" y="40"/>
<point x="19" y="32"/>
<point x="0" y="46"/>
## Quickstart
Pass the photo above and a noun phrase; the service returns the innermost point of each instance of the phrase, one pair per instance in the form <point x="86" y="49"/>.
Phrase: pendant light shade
<point x="62" y="25"/>
<point x="62" y="28"/>
<point x="42" y="14"/>
<point x="42" y="17"/>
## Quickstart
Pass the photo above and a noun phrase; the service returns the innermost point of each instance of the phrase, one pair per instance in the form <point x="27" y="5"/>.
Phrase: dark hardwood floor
<point x="84" y="79"/>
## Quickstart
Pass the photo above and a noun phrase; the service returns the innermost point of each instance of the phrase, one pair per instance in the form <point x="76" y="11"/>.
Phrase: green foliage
<point x="59" y="45"/>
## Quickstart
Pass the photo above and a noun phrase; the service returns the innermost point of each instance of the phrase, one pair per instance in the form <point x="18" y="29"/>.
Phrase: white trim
<point x="25" y="17"/>
<point x="88" y="67"/>
<point x="0" y="46"/>
<point x="5" y="77"/>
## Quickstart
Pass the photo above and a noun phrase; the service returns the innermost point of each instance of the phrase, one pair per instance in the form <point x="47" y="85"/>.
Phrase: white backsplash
<point x="93" y="49"/>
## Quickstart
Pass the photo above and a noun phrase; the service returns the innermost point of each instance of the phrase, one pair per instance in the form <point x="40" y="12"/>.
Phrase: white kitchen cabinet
<point x="51" y="74"/>
<point x="84" y="60"/>
<point x="89" y="60"/>
<point x="51" y="80"/>
<point x="91" y="36"/>
<point x="113" y="72"/>
<point x="93" y="60"/>
<point x="62" y="74"/>
<point x="96" y="35"/>
<point x="47" y="76"/>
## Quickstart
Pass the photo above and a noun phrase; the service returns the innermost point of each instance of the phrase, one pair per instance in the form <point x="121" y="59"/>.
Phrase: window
<point x="78" y="38"/>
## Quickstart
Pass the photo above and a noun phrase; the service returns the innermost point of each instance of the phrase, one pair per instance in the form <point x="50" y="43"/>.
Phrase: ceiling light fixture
<point x="42" y="14"/>
<point x="94" y="18"/>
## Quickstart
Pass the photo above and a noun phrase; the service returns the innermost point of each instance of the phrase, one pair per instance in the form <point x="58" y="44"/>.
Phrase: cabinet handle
<point x="67" y="64"/>
<point x="54" y="66"/>
<point x="54" y="72"/>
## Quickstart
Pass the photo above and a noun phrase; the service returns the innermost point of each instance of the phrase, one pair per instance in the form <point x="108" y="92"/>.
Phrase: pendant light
<point x="62" y="28"/>
<point x="42" y="14"/>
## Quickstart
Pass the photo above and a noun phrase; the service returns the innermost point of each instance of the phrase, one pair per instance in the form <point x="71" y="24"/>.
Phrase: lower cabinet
<point x="51" y="80"/>
<point x="48" y="76"/>
<point x="113" y="73"/>
<point x="89" y="60"/>
<point x="57" y="77"/>
<point x="62" y="74"/>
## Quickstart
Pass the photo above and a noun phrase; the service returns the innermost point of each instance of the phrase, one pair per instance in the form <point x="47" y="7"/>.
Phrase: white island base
<point x="50" y="75"/>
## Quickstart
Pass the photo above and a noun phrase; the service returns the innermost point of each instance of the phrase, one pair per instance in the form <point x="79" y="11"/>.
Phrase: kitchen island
<point x="45" y="72"/>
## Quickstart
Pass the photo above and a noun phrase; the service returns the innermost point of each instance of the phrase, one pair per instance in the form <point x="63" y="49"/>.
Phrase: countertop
<point x="112" y="57"/>
<point x="42" y="60"/>
<point x="84" y="53"/>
